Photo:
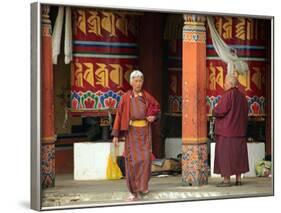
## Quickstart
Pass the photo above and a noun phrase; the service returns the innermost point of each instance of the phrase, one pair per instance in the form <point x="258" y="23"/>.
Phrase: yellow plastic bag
<point x="113" y="171"/>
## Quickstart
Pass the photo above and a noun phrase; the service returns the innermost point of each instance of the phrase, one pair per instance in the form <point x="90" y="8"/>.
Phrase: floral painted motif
<point x="95" y="100"/>
<point x="48" y="165"/>
<point x="195" y="164"/>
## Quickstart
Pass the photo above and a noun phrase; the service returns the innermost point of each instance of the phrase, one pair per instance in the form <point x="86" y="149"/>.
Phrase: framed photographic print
<point x="138" y="105"/>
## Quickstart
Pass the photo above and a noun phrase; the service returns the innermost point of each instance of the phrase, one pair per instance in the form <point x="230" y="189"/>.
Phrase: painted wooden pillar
<point x="48" y="137"/>
<point x="194" y="117"/>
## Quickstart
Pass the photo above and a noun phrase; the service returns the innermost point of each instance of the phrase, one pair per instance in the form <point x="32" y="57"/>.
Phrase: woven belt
<point x="138" y="123"/>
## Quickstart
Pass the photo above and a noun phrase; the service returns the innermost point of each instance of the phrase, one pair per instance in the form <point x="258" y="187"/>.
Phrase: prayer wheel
<point x="248" y="37"/>
<point x="105" y="51"/>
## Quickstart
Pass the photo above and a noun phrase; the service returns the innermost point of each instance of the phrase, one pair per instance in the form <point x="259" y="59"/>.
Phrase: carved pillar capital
<point x="194" y="29"/>
<point x="46" y="26"/>
<point x="194" y="18"/>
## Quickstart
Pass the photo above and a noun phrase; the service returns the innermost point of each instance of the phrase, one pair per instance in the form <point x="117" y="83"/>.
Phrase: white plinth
<point x="256" y="152"/>
<point x="173" y="147"/>
<point x="90" y="159"/>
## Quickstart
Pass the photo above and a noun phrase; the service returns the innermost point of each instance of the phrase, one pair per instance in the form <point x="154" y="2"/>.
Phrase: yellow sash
<point x="138" y="123"/>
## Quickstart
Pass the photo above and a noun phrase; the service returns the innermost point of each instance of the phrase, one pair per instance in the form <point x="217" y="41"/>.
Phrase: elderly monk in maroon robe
<point x="231" y="112"/>
<point x="136" y="111"/>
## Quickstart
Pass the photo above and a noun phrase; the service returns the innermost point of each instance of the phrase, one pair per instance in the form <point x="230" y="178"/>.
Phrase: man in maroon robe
<point x="136" y="111"/>
<point x="231" y="112"/>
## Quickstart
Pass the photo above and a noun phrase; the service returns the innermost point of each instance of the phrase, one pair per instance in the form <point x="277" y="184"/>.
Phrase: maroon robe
<point x="231" y="155"/>
<point x="138" y="144"/>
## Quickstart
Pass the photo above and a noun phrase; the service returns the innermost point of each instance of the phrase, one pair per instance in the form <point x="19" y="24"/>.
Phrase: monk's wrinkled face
<point x="137" y="83"/>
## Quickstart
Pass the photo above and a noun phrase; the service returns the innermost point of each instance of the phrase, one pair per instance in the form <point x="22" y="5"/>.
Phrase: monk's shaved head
<point x="231" y="81"/>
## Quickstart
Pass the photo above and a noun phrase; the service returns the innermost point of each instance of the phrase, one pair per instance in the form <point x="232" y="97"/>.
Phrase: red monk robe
<point x="231" y="155"/>
<point x="138" y="144"/>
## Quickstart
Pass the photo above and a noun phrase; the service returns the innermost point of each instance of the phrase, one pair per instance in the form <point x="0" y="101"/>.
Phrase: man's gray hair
<point x="135" y="74"/>
<point x="233" y="80"/>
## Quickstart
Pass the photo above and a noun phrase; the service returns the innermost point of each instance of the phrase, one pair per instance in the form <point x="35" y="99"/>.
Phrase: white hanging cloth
<point x="226" y="53"/>
<point x="68" y="37"/>
<point x="56" y="37"/>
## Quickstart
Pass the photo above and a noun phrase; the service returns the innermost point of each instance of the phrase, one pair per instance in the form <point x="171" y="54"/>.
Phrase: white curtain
<point x="226" y="54"/>
<point x="57" y="32"/>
